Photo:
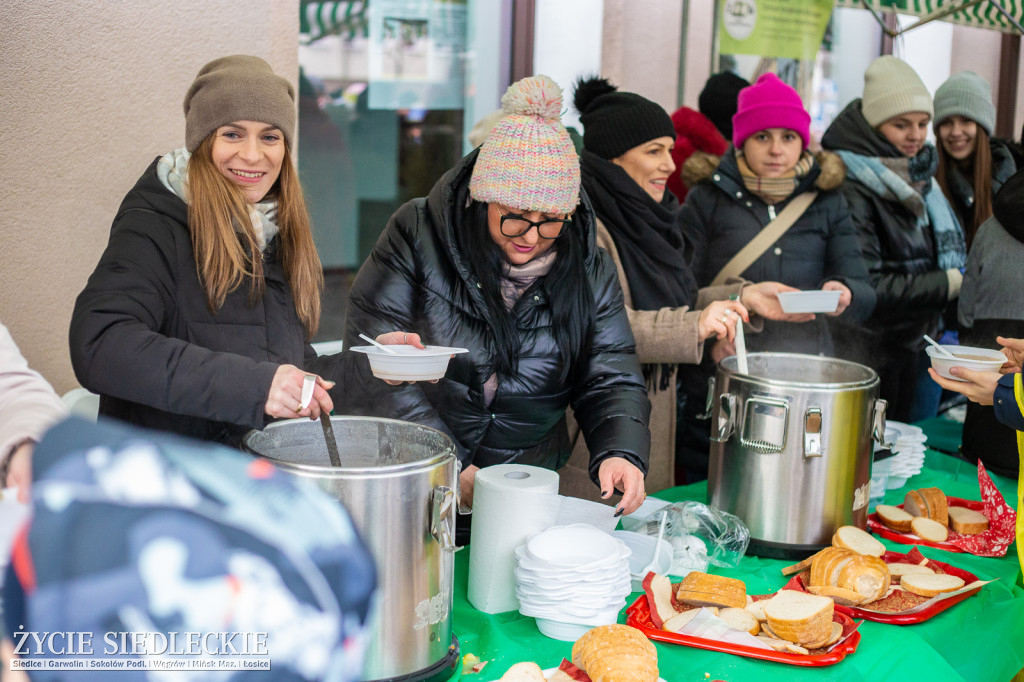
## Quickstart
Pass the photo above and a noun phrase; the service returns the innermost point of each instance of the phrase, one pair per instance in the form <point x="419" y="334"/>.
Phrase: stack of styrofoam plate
<point x="880" y="467"/>
<point x="572" y="578"/>
<point x="909" y="458"/>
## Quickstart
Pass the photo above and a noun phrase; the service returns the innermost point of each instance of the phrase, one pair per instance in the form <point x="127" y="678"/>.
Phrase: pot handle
<point x="442" y="517"/>
<point x="726" y="417"/>
<point x="709" y="401"/>
<point x="878" y="421"/>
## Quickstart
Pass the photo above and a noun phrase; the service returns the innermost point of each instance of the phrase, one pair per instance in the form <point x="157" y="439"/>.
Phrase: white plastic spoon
<point x="384" y="348"/>
<point x="657" y="547"/>
<point x="945" y="353"/>
<point x="740" y="343"/>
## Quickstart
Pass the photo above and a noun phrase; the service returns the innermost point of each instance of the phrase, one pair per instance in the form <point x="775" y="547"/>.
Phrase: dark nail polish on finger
<point x="617" y="514"/>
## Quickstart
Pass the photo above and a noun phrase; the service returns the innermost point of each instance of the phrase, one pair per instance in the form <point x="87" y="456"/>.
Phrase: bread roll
<point x="616" y="653"/>
<point x="526" y="671"/>
<point x="967" y="521"/>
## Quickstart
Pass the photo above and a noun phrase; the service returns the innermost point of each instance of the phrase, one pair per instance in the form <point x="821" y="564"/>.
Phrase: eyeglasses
<point x="515" y="225"/>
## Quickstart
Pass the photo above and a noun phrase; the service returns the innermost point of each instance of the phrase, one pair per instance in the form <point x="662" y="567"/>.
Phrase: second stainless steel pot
<point x="791" y="447"/>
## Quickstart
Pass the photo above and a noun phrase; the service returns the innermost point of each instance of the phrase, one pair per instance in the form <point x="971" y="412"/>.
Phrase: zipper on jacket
<point x="771" y="211"/>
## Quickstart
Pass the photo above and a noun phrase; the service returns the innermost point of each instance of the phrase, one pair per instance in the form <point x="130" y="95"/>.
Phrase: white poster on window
<point x="416" y="54"/>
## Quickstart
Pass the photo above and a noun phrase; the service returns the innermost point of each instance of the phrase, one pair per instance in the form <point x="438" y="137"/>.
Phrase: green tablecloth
<point x="979" y="639"/>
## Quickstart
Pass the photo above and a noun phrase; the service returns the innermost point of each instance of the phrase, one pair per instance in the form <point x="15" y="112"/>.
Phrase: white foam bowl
<point x="565" y="632"/>
<point x="896" y="482"/>
<point x="813" y="301"/>
<point x="977" y="359"/>
<point x="577" y="546"/>
<point x="409" y="363"/>
<point x="642" y="548"/>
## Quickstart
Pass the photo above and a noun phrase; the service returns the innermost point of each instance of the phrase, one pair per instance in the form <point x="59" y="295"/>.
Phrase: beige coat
<point x="665" y="336"/>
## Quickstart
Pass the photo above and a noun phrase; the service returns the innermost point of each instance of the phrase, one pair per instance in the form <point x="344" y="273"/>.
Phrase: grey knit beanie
<point x="238" y="88"/>
<point x="892" y="88"/>
<point x="969" y="95"/>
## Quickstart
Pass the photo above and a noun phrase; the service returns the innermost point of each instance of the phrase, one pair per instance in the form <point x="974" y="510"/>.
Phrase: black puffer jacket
<point x="416" y="279"/>
<point x="962" y="189"/>
<point x="722" y="216"/>
<point x="143" y="338"/>
<point x="901" y="258"/>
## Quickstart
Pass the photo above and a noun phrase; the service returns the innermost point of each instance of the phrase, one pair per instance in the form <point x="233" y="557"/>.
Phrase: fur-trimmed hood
<point x="829" y="166"/>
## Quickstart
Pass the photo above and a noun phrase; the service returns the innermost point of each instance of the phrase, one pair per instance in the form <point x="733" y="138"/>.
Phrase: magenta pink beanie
<point x="769" y="103"/>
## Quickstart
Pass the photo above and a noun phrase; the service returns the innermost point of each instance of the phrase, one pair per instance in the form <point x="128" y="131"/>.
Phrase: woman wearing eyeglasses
<point x="500" y="259"/>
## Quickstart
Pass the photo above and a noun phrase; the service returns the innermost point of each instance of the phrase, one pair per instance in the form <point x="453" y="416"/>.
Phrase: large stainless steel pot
<point x="399" y="482"/>
<point x="791" y="447"/>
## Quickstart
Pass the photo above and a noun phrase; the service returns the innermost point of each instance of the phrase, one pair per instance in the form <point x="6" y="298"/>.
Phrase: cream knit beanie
<point x="892" y="88"/>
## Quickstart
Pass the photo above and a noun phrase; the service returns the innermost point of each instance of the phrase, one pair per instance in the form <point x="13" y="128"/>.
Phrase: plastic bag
<point x="699" y="535"/>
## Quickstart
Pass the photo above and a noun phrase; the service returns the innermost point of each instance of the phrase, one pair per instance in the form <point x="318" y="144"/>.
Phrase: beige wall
<point x="640" y="48"/>
<point x="90" y="93"/>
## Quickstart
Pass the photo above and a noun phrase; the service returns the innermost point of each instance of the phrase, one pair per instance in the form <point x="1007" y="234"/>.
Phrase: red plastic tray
<point x="919" y="616"/>
<point x="876" y="526"/>
<point x="639" y="616"/>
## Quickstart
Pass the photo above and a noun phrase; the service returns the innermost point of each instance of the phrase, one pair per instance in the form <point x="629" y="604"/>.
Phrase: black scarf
<point x="648" y="237"/>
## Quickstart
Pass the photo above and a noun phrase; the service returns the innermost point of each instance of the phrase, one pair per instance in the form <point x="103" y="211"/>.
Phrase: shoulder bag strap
<point x="768" y="235"/>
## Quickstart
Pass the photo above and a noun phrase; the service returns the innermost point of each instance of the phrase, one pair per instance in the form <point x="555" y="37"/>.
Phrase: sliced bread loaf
<point x="867" y="576"/>
<point x="935" y="499"/>
<point x="705" y="589"/>
<point x="914" y="504"/>
<point x="837" y="594"/>
<point x="800" y="617"/>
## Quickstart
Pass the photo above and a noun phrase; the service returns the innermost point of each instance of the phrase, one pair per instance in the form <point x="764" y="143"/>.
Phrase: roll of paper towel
<point x="510" y="502"/>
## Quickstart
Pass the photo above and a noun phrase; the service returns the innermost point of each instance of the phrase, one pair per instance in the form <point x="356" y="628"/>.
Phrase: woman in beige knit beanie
<point x="910" y="238"/>
<point x="198" y="316"/>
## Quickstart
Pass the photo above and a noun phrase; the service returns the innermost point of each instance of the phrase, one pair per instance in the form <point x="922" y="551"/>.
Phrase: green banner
<point x="791" y="29"/>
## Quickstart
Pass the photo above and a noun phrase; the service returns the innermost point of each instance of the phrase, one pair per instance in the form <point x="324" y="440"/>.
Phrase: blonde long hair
<point x="226" y="257"/>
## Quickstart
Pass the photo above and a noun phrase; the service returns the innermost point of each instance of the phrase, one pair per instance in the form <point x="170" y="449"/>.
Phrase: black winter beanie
<point x="718" y="99"/>
<point x="614" y="122"/>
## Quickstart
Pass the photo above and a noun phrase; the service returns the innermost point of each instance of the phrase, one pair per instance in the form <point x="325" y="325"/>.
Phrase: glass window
<point x="388" y="90"/>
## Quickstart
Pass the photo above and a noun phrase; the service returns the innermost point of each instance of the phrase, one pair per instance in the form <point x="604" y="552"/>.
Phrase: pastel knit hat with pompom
<point x="528" y="162"/>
